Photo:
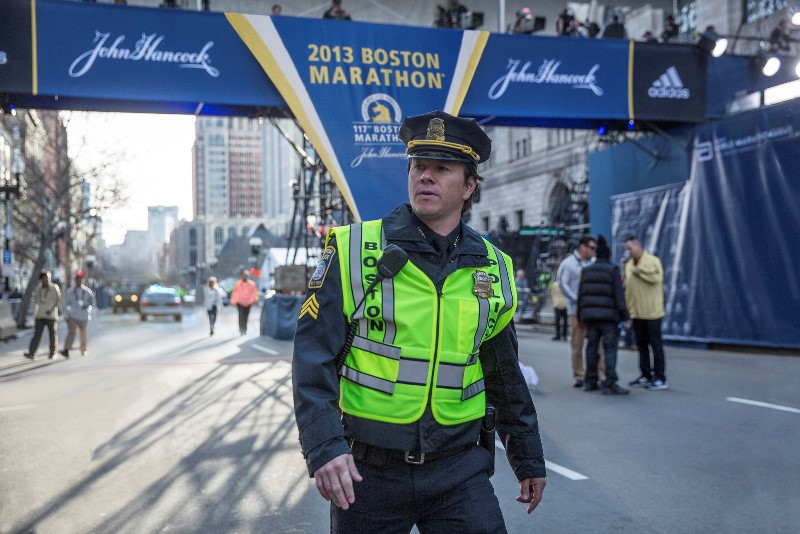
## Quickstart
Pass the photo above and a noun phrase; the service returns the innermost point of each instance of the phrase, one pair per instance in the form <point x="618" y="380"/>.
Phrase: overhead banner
<point x="349" y="84"/>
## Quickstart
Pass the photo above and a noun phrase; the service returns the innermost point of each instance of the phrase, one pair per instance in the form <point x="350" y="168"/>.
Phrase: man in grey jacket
<point x="569" y="278"/>
<point x="46" y="307"/>
<point x="78" y="305"/>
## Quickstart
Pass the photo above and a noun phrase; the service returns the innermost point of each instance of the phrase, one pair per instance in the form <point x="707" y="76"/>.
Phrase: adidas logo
<point x="668" y="85"/>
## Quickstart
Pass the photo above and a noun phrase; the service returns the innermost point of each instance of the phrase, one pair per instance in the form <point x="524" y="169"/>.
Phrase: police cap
<point x="439" y="135"/>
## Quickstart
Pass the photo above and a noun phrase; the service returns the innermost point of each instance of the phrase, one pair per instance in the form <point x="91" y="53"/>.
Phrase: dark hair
<point x="631" y="238"/>
<point x="586" y="239"/>
<point x="43" y="273"/>
<point x="603" y="252"/>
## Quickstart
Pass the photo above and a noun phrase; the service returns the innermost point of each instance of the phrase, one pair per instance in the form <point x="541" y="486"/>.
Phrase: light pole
<point x="255" y="249"/>
<point x="198" y="292"/>
<point x="11" y="190"/>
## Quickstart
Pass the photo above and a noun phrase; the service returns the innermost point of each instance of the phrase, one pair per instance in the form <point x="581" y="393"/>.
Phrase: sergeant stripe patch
<point x="310" y="307"/>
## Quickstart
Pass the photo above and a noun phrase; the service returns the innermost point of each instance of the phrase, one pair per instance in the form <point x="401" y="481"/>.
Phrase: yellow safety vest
<point x="413" y="344"/>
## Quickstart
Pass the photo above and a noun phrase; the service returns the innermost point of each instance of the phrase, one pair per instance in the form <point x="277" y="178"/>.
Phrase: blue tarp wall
<point x="723" y="218"/>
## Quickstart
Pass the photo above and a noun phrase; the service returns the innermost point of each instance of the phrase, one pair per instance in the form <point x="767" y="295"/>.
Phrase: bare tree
<point x="60" y="199"/>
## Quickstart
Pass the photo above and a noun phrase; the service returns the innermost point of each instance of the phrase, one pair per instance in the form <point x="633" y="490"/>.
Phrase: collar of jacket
<point x="399" y="228"/>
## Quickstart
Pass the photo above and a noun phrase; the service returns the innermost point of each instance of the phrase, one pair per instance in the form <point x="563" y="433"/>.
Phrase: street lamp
<point x="11" y="190"/>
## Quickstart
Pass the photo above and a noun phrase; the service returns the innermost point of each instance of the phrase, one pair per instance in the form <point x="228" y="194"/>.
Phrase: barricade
<point x="8" y="325"/>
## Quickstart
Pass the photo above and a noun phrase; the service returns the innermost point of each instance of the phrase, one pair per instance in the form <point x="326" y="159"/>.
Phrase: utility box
<point x="290" y="278"/>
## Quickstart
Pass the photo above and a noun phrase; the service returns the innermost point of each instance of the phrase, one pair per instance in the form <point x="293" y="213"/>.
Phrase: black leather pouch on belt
<point x="488" y="432"/>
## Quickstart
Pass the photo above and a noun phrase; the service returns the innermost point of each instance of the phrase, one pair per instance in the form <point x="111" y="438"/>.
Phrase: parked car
<point x="161" y="301"/>
<point x="126" y="297"/>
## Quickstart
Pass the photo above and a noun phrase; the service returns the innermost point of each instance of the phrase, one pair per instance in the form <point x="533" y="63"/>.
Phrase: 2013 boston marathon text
<point x="376" y="66"/>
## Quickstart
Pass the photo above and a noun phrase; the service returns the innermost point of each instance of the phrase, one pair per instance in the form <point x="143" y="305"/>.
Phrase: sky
<point x="152" y="155"/>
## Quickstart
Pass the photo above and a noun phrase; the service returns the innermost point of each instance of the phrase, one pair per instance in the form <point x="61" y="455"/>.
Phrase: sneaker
<point x="52" y="355"/>
<point x="640" y="382"/>
<point x="590" y="386"/>
<point x="30" y="355"/>
<point x="578" y="383"/>
<point x="614" y="389"/>
<point x="656" y="385"/>
<point x="84" y="352"/>
<point x="64" y="353"/>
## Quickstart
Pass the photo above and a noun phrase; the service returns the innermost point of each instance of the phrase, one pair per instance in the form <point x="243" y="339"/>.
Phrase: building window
<point x="485" y="220"/>
<point x="761" y="9"/>
<point x="231" y="232"/>
<point x="245" y="231"/>
<point x="192" y="237"/>
<point x="519" y="215"/>
<point x="219" y="234"/>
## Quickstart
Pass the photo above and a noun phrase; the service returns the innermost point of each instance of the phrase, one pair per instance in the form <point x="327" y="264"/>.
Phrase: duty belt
<point x="380" y="457"/>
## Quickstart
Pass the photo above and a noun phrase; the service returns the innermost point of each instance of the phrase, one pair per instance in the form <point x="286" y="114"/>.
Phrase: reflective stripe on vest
<point x="400" y="361"/>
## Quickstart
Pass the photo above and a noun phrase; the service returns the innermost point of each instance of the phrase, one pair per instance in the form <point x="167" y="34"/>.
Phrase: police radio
<point x="392" y="262"/>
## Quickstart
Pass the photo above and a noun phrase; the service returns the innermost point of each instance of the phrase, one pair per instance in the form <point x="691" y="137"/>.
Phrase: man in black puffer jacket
<point x="601" y="306"/>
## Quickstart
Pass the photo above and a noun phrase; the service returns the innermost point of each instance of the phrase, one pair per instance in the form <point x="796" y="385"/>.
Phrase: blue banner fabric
<point x="123" y="52"/>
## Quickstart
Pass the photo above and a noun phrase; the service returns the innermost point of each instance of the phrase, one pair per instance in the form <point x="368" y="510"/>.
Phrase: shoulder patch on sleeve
<point x="322" y="268"/>
<point x="310" y="307"/>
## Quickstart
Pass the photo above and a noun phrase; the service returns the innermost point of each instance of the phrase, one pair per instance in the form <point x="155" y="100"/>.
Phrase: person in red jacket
<point x="243" y="296"/>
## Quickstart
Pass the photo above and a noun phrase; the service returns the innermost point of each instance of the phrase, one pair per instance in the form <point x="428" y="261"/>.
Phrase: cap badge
<point x="435" y="130"/>
<point x="483" y="285"/>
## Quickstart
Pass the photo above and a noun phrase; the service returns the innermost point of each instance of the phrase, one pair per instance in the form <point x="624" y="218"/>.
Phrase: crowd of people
<point x="604" y="299"/>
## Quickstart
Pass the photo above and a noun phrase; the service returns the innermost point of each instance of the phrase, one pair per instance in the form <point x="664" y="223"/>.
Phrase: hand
<point x="335" y="480"/>
<point x="530" y="491"/>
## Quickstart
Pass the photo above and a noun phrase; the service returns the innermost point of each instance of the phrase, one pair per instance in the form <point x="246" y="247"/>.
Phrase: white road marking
<point x="20" y="407"/>
<point x="555" y="468"/>
<point x="763" y="404"/>
<point x="265" y="349"/>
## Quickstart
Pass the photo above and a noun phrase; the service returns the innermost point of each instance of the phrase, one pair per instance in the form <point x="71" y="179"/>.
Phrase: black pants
<point x="447" y="495"/>
<point x="244" y="313"/>
<point x="562" y="321"/>
<point x="39" y="326"/>
<point x="609" y="333"/>
<point x="648" y="334"/>
<point x="212" y="317"/>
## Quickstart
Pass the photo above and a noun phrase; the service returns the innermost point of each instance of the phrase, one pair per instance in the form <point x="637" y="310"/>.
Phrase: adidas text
<point x="668" y="92"/>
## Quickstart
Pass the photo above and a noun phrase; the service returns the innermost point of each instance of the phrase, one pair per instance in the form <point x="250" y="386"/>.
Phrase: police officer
<point x="391" y="437"/>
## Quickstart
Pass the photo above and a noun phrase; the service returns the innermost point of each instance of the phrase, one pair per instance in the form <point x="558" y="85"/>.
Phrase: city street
<point x="163" y="428"/>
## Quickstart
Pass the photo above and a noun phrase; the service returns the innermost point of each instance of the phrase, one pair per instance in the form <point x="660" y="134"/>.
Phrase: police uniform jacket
<point x="321" y="331"/>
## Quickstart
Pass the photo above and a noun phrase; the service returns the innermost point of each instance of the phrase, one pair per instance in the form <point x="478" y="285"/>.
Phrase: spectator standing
<point x="779" y="37"/>
<point x="244" y="296"/>
<point x="213" y="299"/>
<point x="644" y="296"/>
<point x="559" y="310"/>
<point x="671" y="29"/>
<point x="601" y="306"/>
<point x="569" y="277"/>
<point x="614" y="29"/>
<point x="336" y="11"/>
<point x="452" y="16"/>
<point x="648" y="37"/>
<point x="276" y="10"/>
<point x="78" y="306"/>
<point x="46" y="309"/>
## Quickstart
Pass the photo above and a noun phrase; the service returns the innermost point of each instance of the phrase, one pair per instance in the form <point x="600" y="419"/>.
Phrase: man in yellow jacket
<point x="644" y="297"/>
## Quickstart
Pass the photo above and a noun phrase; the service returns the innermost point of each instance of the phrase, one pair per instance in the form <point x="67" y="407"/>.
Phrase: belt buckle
<point x="412" y="458"/>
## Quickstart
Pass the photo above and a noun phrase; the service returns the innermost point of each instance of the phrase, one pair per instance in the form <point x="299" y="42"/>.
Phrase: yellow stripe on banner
<point x="472" y="66"/>
<point x="272" y="68"/>
<point x="630" y="80"/>
<point x="34" y="53"/>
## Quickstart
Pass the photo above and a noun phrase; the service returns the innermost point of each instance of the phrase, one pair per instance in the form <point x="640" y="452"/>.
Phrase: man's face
<point x="587" y="251"/>
<point x="244" y="276"/>
<point x="633" y="248"/>
<point x="78" y="281"/>
<point x="436" y="188"/>
<point x="45" y="279"/>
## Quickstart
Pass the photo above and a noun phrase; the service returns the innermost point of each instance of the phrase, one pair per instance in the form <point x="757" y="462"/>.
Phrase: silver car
<point x="161" y="301"/>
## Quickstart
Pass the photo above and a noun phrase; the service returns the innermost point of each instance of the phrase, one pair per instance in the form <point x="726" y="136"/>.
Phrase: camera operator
<point x="452" y="16"/>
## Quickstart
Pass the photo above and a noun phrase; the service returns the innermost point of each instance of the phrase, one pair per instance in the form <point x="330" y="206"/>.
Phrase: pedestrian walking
<point x="46" y="310"/>
<point x="78" y="306"/>
<point x="601" y="306"/>
<point x="644" y="296"/>
<point x="213" y="299"/>
<point x="244" y="296"/>
<point x="405" y="338"/>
